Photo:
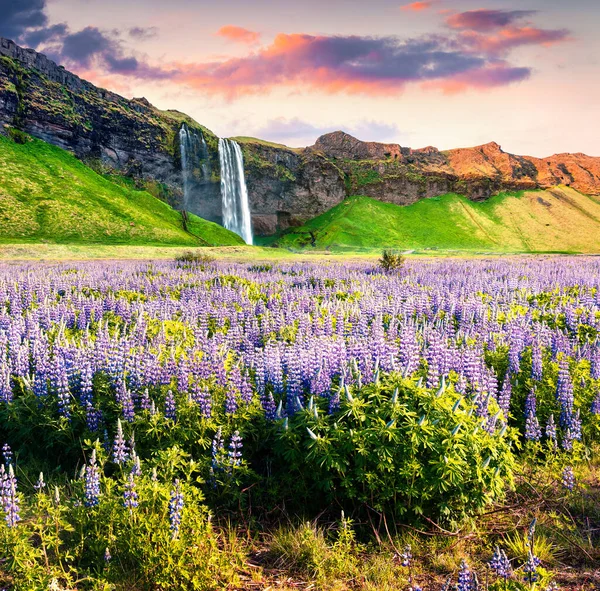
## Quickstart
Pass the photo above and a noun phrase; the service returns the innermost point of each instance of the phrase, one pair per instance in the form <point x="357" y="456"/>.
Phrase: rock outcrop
<point x="477" y="172"/>
<point x="286" y="186"/>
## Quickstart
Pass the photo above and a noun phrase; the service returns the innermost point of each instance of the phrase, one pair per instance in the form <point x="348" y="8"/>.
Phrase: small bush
<point x="400" y="449"/>
<point x="391" y="262"/>
<point x="190" y="258"/>
<point x="18" y="136"/>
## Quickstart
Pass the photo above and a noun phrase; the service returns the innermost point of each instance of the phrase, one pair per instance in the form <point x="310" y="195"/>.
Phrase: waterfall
<point x="193" y="150"/>
<point x="234" y="193"/>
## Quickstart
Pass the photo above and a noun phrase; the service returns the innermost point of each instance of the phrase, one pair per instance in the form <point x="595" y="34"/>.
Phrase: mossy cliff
<point x="103" y="129"/>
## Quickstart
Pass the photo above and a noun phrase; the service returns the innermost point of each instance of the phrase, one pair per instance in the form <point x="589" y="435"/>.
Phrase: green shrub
<point x="399" y="449"/>
<point x="189" y="258"/>
<point x="18" y="136"/>
<point x="391" y="262"/>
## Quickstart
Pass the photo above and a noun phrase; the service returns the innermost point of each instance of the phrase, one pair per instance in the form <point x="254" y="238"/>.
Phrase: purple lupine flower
<point x="170" y="406"/>
<point x="596" y="405"/>
<point x="505" y="396"/>
<point x="572" y="430"/>
<point x="551" y="430"/>
<point x="268" y="404"/>
<point x="231" y="403"/>
<point x="532" y="426"/>
<point x="92" y="482"/>
<point x="130" y="496"/>
<point x="217" y="451"/>
<point x="465" y="578"/>
<point x="107" y="556"/>
<point x="537" y="366"/>
<point x="176" y="504"/>
<point x="120" y="453"/>
<point x="500" y="564"/>
<point x="40" y="484"/>
<point x="60" y="385"/>
<point x="136" y="469"/>
<point x="530" y="568"/>
<point x="568" y="478"/>
<point x="9" y="497"/>
<point x="406" y="556"/>
<point x="235" y="450"/>
<point x="7" y="454"/>
<point x="201" y="396"/>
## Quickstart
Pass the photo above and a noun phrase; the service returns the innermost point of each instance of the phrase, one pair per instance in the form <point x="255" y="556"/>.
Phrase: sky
<point x="445" y="73"/>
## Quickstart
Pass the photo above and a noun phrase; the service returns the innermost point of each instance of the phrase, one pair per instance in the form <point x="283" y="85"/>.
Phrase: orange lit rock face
<point x="479" y="172"/>
<point x="489" y="161"/>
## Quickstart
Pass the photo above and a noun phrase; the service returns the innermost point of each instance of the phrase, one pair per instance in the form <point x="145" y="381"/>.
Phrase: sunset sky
<point x="448" y="73"/>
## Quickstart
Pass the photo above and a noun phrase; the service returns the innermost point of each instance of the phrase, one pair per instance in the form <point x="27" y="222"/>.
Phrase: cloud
<point x="239" y="34"/>
<point x="16" y="16"/>
<point x="512" y="37"/>
<point x="298" y="132"/>
<point x="351" y="64"/>
<point x="486" y="20"/>
<point x="143" y="33"/>
<point x="39" y="36"/>
<point x="465" y="57"/>
<point x="493" y="76"/>
<point x="419" y="6"/>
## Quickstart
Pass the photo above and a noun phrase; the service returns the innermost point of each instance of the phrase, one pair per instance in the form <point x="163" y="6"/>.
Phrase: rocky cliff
<point x="286" y="186"/>
<point x="402" y="175"/>
<point x="107" y="131"/>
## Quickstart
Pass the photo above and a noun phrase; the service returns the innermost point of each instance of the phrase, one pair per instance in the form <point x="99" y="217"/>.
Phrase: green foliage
<point x="18" y="136"/>
<point x="62" y="543"/>
<point x="391" y="262"/>
<point x="399" y="449"/>
<point x="307" y="551"/>
<point x="190" y="258"/>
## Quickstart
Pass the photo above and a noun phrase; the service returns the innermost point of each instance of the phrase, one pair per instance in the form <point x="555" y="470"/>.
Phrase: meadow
<point x="201" y="424"/>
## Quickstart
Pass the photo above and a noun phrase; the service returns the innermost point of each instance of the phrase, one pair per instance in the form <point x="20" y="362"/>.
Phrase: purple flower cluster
<point x="500" y="564"/>
<point x="9" y="498"/>
<point x="92" y="482"/>
<point x="176" y="504"/>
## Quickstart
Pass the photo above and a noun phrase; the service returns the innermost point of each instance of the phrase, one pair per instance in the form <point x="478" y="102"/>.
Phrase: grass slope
<point x="46" y="194"/>
<point x="554" y="220"/>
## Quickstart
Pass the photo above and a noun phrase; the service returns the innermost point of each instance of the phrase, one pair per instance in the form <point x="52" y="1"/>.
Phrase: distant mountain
<point x="286" y="186"/>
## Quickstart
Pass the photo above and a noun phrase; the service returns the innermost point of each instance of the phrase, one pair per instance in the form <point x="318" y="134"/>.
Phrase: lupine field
<point x="163" y="424"/>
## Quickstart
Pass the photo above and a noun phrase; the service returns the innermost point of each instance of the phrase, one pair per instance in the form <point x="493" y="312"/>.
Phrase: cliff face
<point x="286" y="186"/>
<point x="404" y="175"/>
<point x="98" y="126"/>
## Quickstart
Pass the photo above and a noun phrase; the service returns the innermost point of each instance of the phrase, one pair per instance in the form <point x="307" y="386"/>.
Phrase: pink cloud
<point x="419" y="6"/>
<point x="239" y="34"/>
<point x="511" y="37"/>
<point x="352" y="65"/>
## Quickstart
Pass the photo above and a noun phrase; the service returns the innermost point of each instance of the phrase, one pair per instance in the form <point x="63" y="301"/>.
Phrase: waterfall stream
<point x="234" y="193"/>
<point x="193" y="149"/>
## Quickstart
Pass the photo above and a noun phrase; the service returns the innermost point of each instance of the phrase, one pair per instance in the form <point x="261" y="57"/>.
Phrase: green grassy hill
<point x="554" y="220"/>
<point x="46" y="194"/>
